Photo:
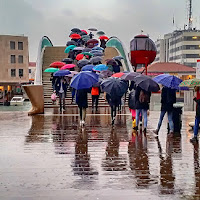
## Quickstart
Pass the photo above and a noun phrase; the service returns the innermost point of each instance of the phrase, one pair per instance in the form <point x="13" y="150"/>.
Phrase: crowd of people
<point x="139" y="98"/>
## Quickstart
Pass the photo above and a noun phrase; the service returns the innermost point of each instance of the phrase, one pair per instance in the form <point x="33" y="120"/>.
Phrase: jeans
<point x="196" y="126"/>
<point x="171" y="123"/>
<point x="62" y="100"/>
<point x="143" y="113"/>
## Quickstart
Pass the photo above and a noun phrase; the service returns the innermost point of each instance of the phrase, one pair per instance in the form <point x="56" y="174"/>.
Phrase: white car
<point x="17" y="101"/>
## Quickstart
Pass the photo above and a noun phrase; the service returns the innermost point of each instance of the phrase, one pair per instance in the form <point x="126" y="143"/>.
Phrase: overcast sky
<point x="121" y="18"/>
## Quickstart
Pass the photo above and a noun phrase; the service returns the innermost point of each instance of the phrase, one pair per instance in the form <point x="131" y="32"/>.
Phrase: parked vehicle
<point x="17" y="101"/>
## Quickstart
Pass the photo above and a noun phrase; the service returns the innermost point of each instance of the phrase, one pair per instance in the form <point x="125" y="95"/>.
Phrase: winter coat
<point x="113" y="101"/>
<point x="58" y="85"/>
<point x="168" y="98"/>
<point x="198" y="107"/>
<point x="140" y="105"/>
<point x="81" y="98"/>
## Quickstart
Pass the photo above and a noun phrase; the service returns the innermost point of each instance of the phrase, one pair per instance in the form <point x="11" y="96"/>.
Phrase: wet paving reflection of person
<point x="81" y="164"/>
<point x="114" y="161"/>
<point x="167" y="177"/>
<point x="138" y="158"/>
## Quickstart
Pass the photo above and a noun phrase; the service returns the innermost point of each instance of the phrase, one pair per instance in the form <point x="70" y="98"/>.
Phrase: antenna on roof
<point x="190" y="15"/>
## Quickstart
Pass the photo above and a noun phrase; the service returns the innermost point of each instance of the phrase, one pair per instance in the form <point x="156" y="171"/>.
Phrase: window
<point x="20" y="45"/>
<point x="21" y="72"/>
<point x="13" y="72"/>
<point x="20" y="59"/>
<point x="12" y="44"/>
<point x="29" y="70"/>
<point x="12" y="59"/>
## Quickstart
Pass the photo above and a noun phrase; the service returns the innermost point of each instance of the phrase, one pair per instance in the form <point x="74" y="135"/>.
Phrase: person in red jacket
<point x="95" y="97"/>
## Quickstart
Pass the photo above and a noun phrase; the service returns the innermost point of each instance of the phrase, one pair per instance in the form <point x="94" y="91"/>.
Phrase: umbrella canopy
<point x="71" y="43"/>
<point x="111" y="62"/>
<point x="82" y="63"/>
<point x="95" y="59"/>
<point x="61" y="73"/>
<point x="87" y="68"/>
<point x="75" y="36"/>
<point x="92" y="42"/>
<point x="78" y="48"/>
<point x="68" y="48"/>
<point x="106" y="74"/>
<point x="67" y="60"/>
<point x="87" y="54"/>
<point x="57" y="64"/>
<point x="67" y="66"/>
<point x="76" y="30"/>
<point x="84" y="80"/>
<point x="118" y="75"/>
<point x="100" y="33"/>
<point x="73" y="73"/>
<point x="118" y="62"/>
<point x="79" y="56"/>
<point x="98" y="53"/>
<point x="86" y="50"/>
<point x="118" y="58"/>
<point x="103" y="37"/>
<point x="100" y="67"/>
<point x="84" y="31"/>
<point x="114" y="86"/>
<point x="98" y="48"/>
<point x="51" y="70"/>
<point x="130" y="76"/>
<point x="92" y="29"/>
<point x="190" y="83"/>
<point x="167" y="80"/>
<point x="85" y="38"/>
<point x="146" y="83"/>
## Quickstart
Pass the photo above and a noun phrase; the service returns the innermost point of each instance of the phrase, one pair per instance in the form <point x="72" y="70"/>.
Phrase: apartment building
<point x="181" y="46"/>
<point x="14" y="60"/>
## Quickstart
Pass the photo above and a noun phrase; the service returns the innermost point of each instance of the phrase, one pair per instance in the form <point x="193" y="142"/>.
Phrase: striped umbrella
<point x="190" y="83"/>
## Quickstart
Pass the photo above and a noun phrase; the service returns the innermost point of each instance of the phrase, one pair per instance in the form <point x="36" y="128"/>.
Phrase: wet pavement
<point x="51" y="157"/>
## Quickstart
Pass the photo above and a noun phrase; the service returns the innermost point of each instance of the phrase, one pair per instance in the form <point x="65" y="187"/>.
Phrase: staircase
<point x="53" y="54"/>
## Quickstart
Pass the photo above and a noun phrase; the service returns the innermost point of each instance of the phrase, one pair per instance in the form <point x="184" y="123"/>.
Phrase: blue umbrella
<point x="100" y="67"/>
<point x="167" y="80"/>
<point x="98" y="48"/>
<point x="61" y="73"/>
<point x="87" y="68"/>
<point x="114" y="86"/>
<point x="68" y="48"/>
<point x="84" y="80"/>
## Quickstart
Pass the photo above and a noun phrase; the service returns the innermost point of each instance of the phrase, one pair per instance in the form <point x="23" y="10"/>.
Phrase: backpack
<point x="95" y="91"/>
<point x="144" y="97"/>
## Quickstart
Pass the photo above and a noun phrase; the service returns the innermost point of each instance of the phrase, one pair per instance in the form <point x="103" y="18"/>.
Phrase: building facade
<point x="181" y="46"/>
<point x="14" y="59"/>
<point x="32" y="69"/>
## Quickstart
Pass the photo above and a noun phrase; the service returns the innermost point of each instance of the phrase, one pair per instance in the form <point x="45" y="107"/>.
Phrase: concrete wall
<point x="5" y="59"/>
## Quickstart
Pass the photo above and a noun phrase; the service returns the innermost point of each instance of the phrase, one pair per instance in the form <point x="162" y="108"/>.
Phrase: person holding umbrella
<point x="168" y="98"/>
<point x="142" y="99"/>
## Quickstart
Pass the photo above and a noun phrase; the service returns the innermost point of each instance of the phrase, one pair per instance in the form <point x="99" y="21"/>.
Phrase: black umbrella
<point x="106" y="74"/>
<point x="92" y="29"/>
<point x="82" y="63"/>
<point x="118" y="62"/>
<point x="82" y="33"/>
<point x="98" y="53"/>
<point x="111" y="62"/>
<point x="67" y="60"/>
<point x="95" y="59"/>
<point x="100" y="33"/>
<point x="71" y="43"/>
<point x="114" y="86"/>
<point x="76" y="30"/>
<point x="146" y="83"/>
<point x="118" y="58"/>
<point x="129" y="76"/>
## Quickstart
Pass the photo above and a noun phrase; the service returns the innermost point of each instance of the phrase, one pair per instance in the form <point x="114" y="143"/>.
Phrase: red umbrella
<point x="92" y="42"/>
<point x="75" y="36"/>
<point x="103" y="37"/>
<point x="84" y="31"/>
<point x="79" y="56"/>
<point x="118" y="75"/>
<point x="57" y="64"/>
<point x="67" y="66"/>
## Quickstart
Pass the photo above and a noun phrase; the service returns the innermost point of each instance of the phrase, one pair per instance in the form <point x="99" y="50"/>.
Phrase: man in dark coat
<point x="197" y="121"/>
<point x="82" y="102"/>
<point x="103" y="44"/>
<point x="168" y="98"/>
<point x="141" y="107"/>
